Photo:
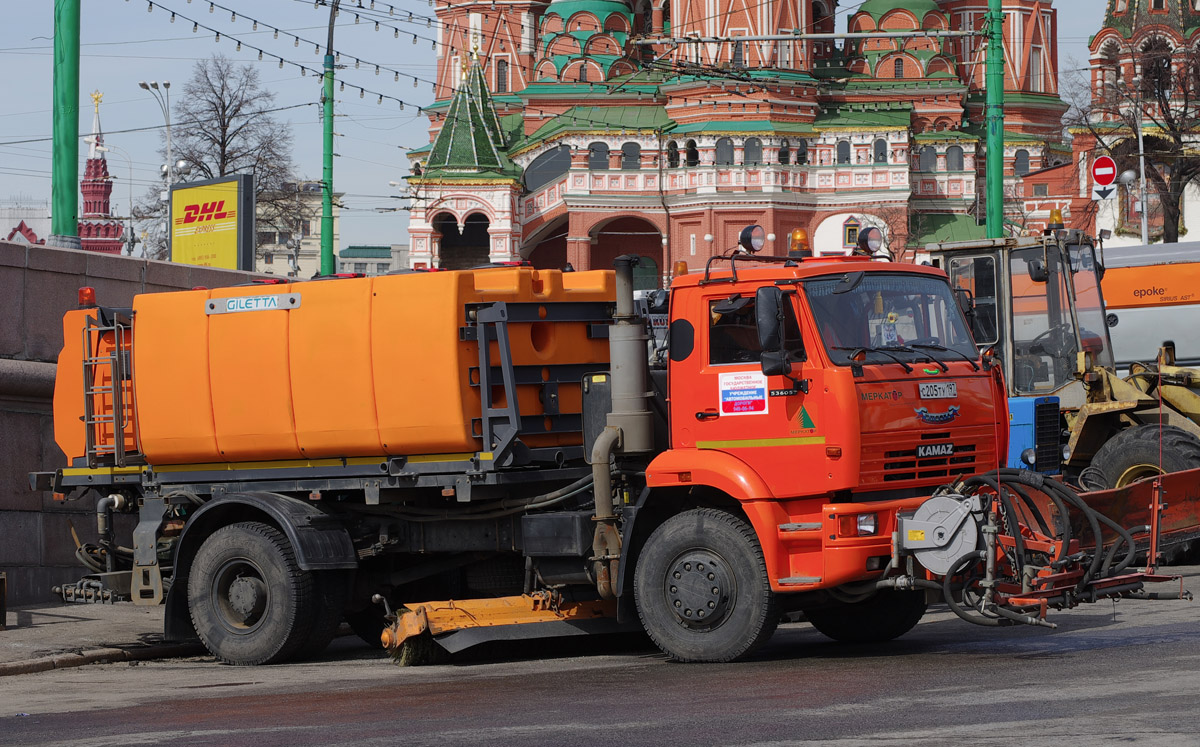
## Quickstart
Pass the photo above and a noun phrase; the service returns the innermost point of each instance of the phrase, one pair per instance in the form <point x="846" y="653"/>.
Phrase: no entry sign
<point x="1104" y="171"/>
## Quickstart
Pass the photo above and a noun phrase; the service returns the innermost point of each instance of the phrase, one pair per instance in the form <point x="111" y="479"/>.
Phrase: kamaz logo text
<point x="206" y="211"/>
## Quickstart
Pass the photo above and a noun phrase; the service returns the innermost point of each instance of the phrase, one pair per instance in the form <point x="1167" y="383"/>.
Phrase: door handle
<point x="708" y="415"/>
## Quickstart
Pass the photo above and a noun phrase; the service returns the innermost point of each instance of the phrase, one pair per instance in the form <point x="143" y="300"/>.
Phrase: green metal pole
<point x="994" y="177"/>
<point x="64" y="185"/>
<point x="327" y="264"/>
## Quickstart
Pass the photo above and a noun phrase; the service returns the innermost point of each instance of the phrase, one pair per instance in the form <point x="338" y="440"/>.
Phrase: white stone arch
<point x="827" y="239"/>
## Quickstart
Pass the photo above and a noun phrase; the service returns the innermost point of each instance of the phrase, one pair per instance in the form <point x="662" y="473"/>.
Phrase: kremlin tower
<point x="98" y="230"/>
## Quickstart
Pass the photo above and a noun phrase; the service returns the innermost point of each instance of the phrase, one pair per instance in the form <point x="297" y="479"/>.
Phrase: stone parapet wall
<point x="37" y="285"/>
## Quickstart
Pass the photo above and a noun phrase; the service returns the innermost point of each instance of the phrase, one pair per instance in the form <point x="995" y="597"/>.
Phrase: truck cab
<point x="824" y="393"/>
<point x="1037" y="303"/>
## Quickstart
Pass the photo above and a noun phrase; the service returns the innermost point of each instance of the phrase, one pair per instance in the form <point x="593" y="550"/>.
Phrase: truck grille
<point x="1047" y="433"/>
<point x="884" y="460"/>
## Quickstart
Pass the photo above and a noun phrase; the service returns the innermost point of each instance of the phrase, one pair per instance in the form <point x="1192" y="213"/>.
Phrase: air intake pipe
<point x="630" y="425"/>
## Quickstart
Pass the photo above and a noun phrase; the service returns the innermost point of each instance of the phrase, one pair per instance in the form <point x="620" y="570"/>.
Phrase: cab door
<point x="722" y="401"/>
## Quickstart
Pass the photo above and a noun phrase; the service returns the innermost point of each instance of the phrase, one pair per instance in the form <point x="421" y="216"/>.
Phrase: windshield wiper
<point x="944" y="349"/>
<point x="886" y="350"/>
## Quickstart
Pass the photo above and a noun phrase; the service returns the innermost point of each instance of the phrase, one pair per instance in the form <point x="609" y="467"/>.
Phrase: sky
<point x="123" y="43"/>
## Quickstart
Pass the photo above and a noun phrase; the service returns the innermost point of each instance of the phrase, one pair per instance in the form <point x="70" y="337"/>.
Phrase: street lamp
<point x="130" y="239"/>
<point x="163" y="97"/>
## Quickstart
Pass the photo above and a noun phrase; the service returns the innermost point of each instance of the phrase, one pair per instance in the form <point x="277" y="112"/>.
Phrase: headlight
<point x="1066" y="453"/>
<point x="1029" y="456"/>
<point x="867" y="524"/>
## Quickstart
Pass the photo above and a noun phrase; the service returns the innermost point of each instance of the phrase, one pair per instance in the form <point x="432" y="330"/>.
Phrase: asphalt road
<point x="1112" y="673"/>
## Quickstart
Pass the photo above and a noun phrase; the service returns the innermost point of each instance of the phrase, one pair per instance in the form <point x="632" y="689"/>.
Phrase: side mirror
<point x="775" y="363"/>
<point x="1037" y="271"/>
<point x="768" y="313"/>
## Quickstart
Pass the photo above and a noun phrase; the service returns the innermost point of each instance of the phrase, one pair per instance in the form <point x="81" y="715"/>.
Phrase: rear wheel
<point x="249" y="600"/>
<point x="702" y="590"/>
<point x="887" y="615"/>
<point x="1134" y="454"/>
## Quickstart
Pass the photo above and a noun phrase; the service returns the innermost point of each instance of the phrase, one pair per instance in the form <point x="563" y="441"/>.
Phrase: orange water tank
<point x="345" y="367"/>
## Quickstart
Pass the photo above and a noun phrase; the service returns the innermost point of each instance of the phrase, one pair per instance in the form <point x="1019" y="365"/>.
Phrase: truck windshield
<point x="1045" y="342"/>
<point x="890" y="317"/>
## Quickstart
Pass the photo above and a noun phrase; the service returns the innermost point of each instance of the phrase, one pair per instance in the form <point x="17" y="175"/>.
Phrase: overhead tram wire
<point x="304" y="69"/>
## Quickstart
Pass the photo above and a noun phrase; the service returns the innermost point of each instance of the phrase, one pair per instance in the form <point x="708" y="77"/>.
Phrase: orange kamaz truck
<point x="455" y="457"/>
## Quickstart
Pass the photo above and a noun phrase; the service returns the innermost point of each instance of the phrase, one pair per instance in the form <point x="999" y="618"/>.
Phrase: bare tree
<point x="224" y="126"/>
<point x="1164" y="100"/>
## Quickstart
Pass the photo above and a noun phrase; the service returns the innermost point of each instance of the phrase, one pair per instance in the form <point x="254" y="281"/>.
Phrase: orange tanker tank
<point x="339" y="368"/>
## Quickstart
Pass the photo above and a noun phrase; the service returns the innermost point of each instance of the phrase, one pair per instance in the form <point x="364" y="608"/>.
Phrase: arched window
<point x="898" y="68"/>
<point x="598" y="156"/>
<point x="801" y="152"/>
<point x="692" y="153"/>
<point x="954" y="158"/>
<point x="501" y="76"/>
<point x="881" y="151"/>
<point x="928" y="159"/>
<point x="547" y="167"/>
<point x="631" y="156"/>
<point x="785" y="153"/>
<point x="1021" y="162"/>
<point x="843" y="151"/>
<point x="673" y="155"/>
<point x="724" y="152"/>
<point x="752" y="152"/>
<point x="583" y="73"/>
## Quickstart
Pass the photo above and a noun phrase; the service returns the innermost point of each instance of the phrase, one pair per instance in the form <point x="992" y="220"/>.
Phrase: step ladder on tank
<point x="107" y="373"/>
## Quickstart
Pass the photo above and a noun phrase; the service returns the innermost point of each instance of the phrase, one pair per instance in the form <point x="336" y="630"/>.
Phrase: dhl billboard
<point x="212" y="223"/>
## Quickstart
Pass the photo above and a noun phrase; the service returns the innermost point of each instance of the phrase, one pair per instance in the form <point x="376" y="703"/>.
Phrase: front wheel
<point x="887" y="615"/>
<point x="1140" y="452"/>
<point x="250" y="602"/>
<point x="702" y="590"/>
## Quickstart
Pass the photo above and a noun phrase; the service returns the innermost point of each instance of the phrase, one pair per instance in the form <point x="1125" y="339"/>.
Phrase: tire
<point x="332" y="590"/>
<point x="883" y="617"/>
<point x="368" y="624"/>
<point x="250" y="603"/>
<point x="1133" y="454"/>
<point x="682" y="562"/>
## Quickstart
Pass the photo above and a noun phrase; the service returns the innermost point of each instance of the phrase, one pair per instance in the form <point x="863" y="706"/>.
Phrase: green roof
<point x="600" y="8"/>
<point x="927" y="228"/>
<point x="865" y="117"/>
<point x="878" y="8"/>
<point x="764" y="126"/>
<point x="366" y="252"/>
<point x="470" y="143"/>
<point x="599" y="119"/>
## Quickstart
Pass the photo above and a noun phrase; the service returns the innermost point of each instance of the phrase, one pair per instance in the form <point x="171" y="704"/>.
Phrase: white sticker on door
<point x="743" y="393"/>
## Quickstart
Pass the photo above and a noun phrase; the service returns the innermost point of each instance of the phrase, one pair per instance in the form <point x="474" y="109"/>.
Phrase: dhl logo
<point x="208" y="211"/>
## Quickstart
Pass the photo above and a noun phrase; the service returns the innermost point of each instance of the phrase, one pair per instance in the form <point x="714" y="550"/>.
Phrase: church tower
<point x="98" y="231"/>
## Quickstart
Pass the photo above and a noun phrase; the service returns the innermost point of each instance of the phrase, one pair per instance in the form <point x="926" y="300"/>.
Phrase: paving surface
<point x="55" y="636"/>
<point x="1111" y="674"/>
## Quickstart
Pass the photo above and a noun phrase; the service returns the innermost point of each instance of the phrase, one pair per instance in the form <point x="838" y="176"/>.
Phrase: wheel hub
<point x="243" y="596"/>
<point x="699" y="589"/>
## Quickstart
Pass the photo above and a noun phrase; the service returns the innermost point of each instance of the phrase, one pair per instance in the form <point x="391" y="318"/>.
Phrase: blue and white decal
<point x="238" y="304"/>
<point x="937" y="418"/>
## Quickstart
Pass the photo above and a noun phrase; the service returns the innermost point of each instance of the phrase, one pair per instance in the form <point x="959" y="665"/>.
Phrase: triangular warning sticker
<point x="805" y="420"/>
